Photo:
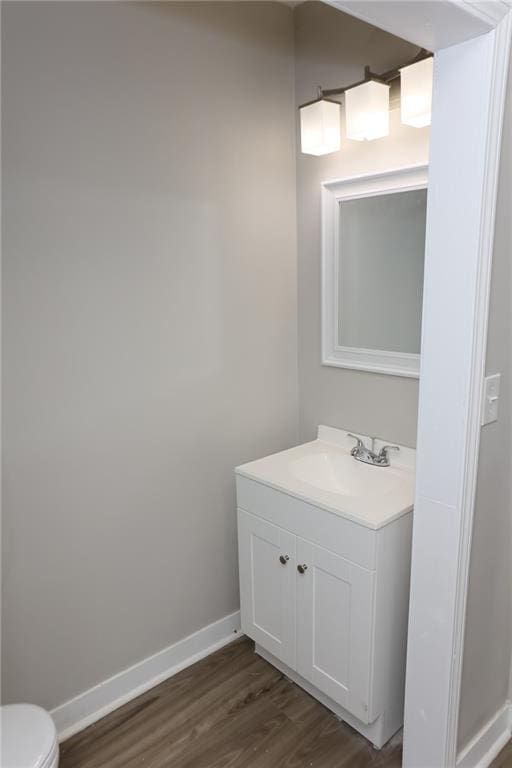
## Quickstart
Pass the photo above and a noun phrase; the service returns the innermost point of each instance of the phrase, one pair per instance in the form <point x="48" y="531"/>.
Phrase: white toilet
<point x="28" y="737"/>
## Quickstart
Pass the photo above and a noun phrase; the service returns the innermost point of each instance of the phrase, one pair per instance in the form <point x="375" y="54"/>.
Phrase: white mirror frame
<point x="376" y="360"/>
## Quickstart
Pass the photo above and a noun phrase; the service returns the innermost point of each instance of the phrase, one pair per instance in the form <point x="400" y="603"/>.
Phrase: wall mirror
<point x="373" y="246"/>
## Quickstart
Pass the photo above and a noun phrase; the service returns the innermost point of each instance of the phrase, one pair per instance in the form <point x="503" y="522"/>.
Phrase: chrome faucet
<point x="360" y="452"/>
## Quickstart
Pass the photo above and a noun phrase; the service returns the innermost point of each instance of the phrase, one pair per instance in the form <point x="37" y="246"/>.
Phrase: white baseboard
<point x="76" y="714"/>
<point x="488" y="743"/>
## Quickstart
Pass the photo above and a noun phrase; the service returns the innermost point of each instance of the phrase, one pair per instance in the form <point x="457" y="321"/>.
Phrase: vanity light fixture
<point x="320" y="126"/>
<point x="416" y="93"/>
<point x="367" y="106"/>
<point x="367" y="111"/>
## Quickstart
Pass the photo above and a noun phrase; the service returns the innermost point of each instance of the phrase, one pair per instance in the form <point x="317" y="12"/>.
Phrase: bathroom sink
<point x="337" y="472"/>
<point x="324" y="473"/>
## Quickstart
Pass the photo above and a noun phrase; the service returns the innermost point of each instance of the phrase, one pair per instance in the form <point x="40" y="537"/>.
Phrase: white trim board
<point x="460" y="229"/>
<point x="88" y="707"/>
<point x="489" y="741"/>
<point x="499" y="77"/>
<point x="433" y="25"/>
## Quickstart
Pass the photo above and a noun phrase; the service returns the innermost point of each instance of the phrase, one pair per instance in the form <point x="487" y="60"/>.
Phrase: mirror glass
<point x="380" y="261"/>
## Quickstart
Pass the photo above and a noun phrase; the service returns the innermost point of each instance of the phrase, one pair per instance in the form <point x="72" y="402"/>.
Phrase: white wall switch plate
<point x="491" y="398"/>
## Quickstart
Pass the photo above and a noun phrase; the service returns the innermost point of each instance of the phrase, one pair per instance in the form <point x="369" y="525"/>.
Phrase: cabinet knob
<point x="302" y="568"/>
<point x="283" y="559"/>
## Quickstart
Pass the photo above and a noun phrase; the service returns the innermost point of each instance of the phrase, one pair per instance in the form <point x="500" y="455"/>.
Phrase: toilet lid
<point x="28" y="736"/>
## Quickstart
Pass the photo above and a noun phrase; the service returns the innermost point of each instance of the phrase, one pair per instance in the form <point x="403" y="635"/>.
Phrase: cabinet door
<point x="334" y="626"/>
<point x="267" y="585"/>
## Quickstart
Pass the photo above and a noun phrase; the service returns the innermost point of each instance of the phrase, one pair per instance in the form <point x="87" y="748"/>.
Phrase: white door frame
<point x="472" y="42"/>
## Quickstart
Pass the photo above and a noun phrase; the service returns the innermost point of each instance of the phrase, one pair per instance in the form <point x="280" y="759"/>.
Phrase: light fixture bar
<point x="385" y="77"/>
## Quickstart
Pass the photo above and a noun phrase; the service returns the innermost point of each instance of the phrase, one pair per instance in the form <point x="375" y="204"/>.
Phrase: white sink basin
<point x="336" y="472"/>
<point x="325" y="474"/>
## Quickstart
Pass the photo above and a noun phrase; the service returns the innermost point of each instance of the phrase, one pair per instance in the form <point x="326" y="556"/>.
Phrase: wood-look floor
<point x="230" y="710"/>
<point x="504" y="759"/>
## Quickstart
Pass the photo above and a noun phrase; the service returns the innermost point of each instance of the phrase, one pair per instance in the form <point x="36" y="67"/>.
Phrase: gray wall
<point x="149" y="320"/>
<point x="332" y="49"/>
<point x="488" y="637"/>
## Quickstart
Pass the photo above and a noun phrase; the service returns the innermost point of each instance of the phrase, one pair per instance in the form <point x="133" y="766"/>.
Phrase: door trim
<point x="498" y="90"/>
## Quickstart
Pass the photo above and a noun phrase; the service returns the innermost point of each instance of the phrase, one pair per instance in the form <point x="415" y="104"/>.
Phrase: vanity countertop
<point x="323" y="473"/>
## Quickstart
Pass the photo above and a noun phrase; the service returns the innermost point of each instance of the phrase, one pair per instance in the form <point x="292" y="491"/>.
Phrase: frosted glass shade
<point x="367" y="111"/>
<point x="320" y="127"/>
<point x="416" y="93"/>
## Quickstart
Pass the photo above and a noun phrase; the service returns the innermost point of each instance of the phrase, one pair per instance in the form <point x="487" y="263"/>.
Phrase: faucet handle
<point x="383" y="453"/>
<point x="359" y="447"/>
<point x="359" y="443"/>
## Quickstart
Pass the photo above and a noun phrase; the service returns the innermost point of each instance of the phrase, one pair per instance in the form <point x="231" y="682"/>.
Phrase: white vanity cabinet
<point x="326" y="601"/>
<point x="333" y="621"/>
<point x="308" y="607"/>
<point x="267" y="585"/>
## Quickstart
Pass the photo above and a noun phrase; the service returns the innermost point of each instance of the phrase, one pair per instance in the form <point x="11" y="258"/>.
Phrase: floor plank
<point x="230" y="710"/>
<point x="504" y="759"/>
